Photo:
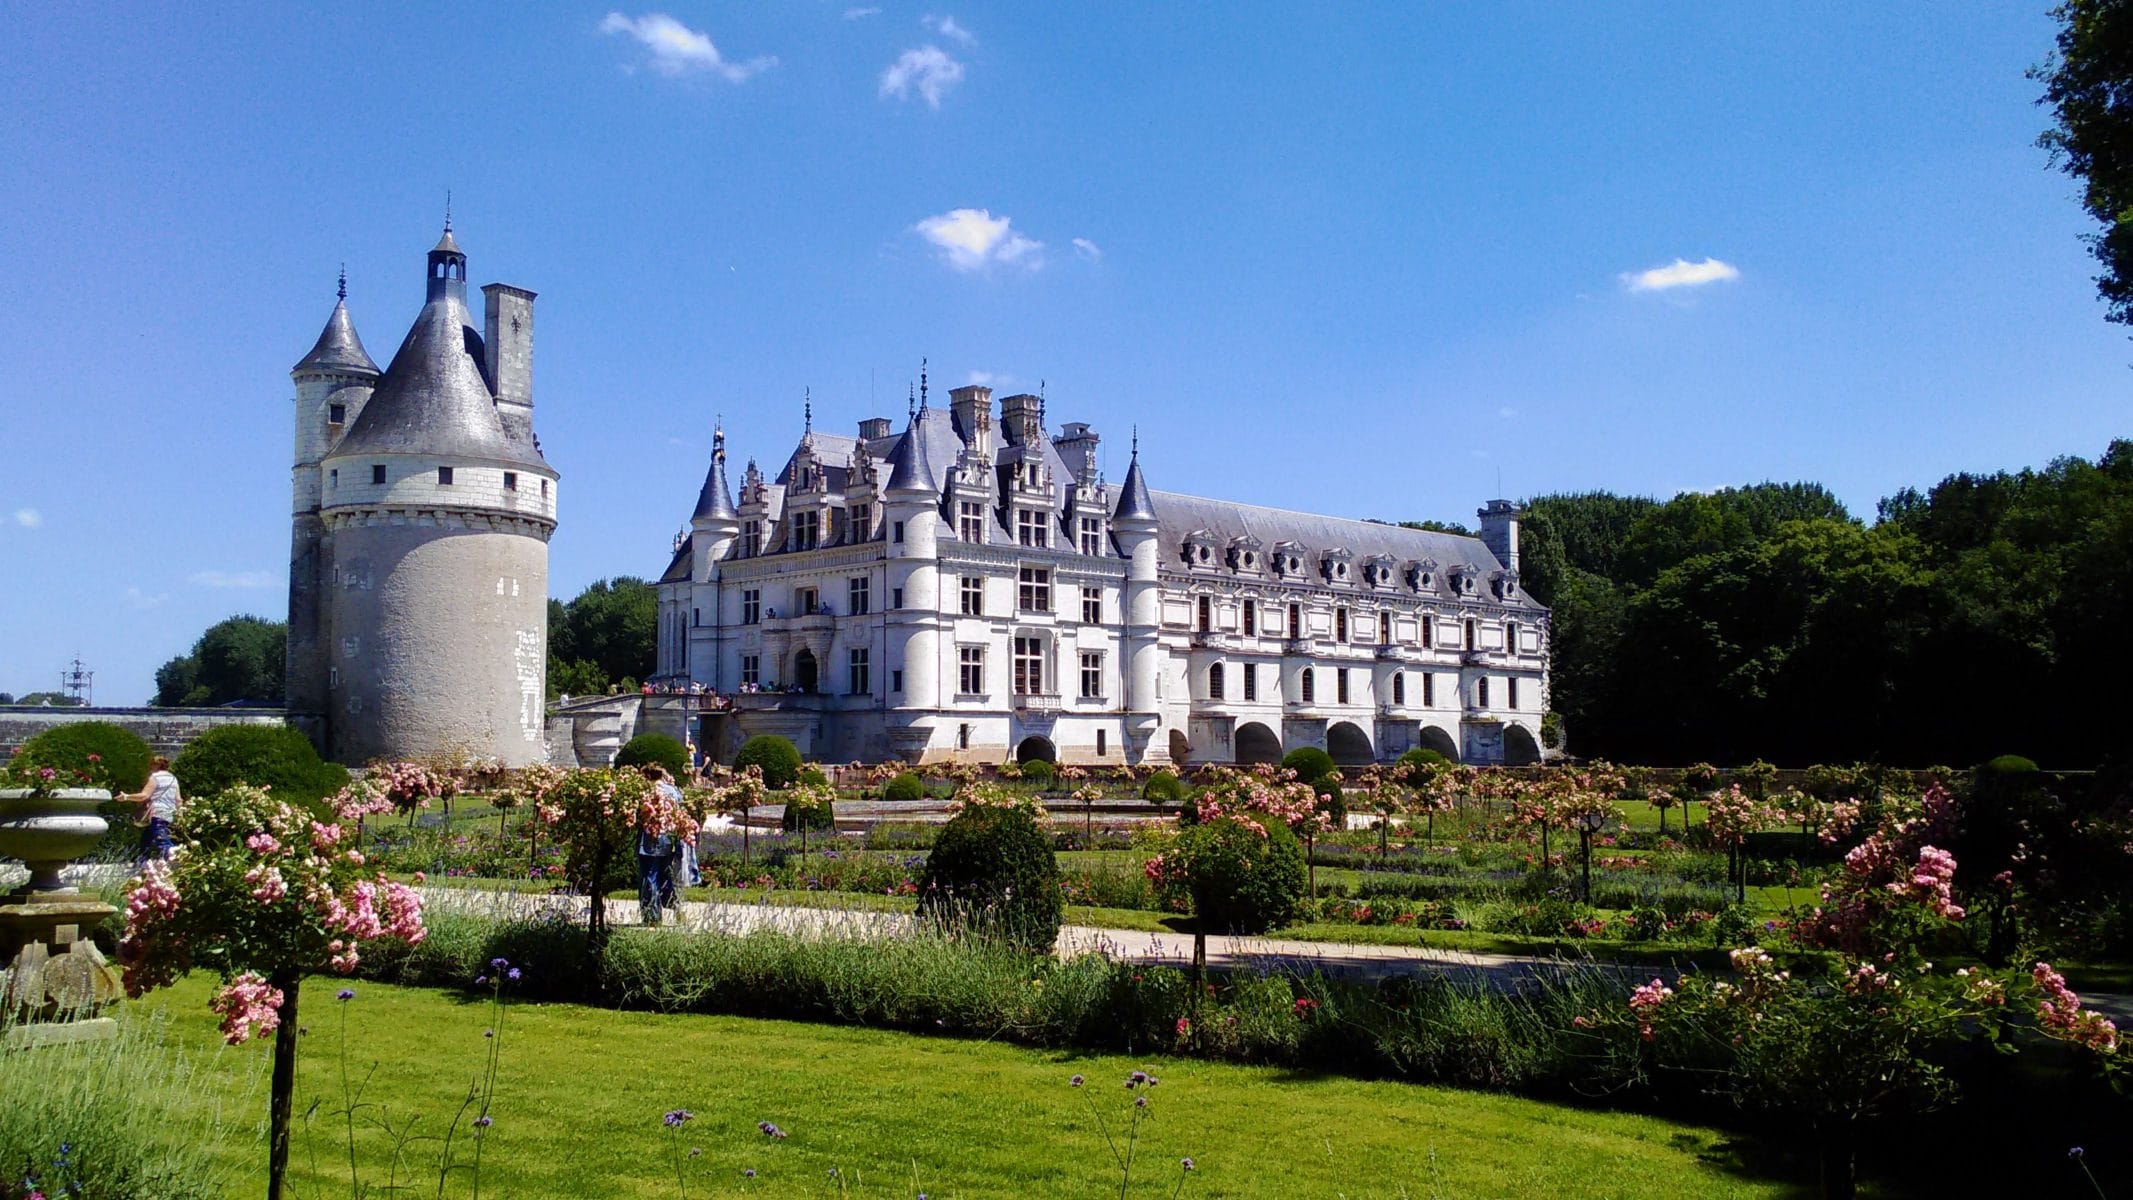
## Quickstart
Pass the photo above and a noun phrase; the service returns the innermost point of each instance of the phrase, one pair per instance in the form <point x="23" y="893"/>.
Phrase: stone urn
<point x="49" y="830"/>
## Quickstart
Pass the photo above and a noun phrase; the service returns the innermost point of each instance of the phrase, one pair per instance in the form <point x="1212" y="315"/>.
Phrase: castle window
<point x="1510" y="693"/>
<point x="1510" y="643"/>
<point x="806" y="530"/>
<point x="1429" y="627"/>
<point x="1029" y="666"/>
<point x="970" y="661"/>
<point x="896" y="682"/>
<point x="1251" y="681"/>
<point x="1034" y="591"/>
<point x="962" y="737"/>
<point x="972" y="590"/>
<point x="858" y="594"/>
<point x="896" y="600"/>
<point x="377" y="472"/>
<point x="751" y="606"/>
<point x="1207" y="613"/>
<point x="1340" y="685"/>
<point x="1092" y="605"/>
<point x="511" y="481"/>
<point x="544" y="489"/>
<point x="444" y="477"/>
<point x="806" y="601"/>
<point x="1215" y="682"/>
<point x="860" y="525"/>
<point x="1092" y="535"/>
<point x="751" y="539"/>
<point x="1340" y="624"/>
<point x="1399" y="687"/>
<point x="1032" y="527"/>
<point x="1310" y="685"/>
<point x="1384" y="629"/>
<point x="856" y="672"/>
<point x="751" y="669"/>
<point x="1251" y="618"/>
<point x="1092" y="675"/>
<point x="333" y="477"/>
<point x="1100" y="743"/>
<point x="1473" y="638"/>
<point x="1296" y="620"/>
<point x="899" y="531"/>
<point x="1481" y="692"/>
<point x="970" y="522"/>
<point x="697" y="616"/>
<point x="336" y="413"/>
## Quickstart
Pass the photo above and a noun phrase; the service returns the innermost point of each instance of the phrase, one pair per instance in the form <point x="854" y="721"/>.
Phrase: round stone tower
<point x="437" y="507"/>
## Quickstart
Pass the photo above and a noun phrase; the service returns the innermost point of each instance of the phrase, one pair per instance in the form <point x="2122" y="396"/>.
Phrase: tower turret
<point x="1133" y="524"/>
<point x="716" y="521"/>
<point x="911" y="515"/>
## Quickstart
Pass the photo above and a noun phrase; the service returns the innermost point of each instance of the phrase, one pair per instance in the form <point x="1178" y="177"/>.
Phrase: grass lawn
<point x="582" y="1091"/>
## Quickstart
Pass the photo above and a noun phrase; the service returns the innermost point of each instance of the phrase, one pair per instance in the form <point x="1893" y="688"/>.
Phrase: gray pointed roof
<point x="1133" y="501"/>
<point x="910" y="466"/>
<point x="338" y="348"/>
<point x="445" y="244"/>
<point x="715" y="501"/>
<point x="434" y="399"/>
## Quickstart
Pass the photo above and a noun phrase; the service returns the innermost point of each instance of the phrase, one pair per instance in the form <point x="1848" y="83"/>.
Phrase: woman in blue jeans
<point x="656" y="858"/>
<point x="159" y="801"/>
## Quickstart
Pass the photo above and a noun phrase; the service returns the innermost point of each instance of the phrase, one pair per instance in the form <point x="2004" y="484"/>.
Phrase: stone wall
<point x="166" y="730"/>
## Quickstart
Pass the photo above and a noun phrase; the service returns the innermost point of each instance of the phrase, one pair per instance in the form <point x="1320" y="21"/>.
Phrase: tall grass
<point x="116" y="1118"/>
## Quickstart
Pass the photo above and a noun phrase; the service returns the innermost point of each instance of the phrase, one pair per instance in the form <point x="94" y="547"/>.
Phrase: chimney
<point x="874" y="428"/>
<point x="508" y="317"/>
<point x="1077" y="445"/>
<point x="1499" y="531"/>
<point x="1022" y="419"/>
<point x="966" y="404"/>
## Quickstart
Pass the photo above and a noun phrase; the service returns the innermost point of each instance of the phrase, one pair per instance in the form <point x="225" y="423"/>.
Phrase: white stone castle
<point x="970" y="589"/>
<point x="418" y="561"/>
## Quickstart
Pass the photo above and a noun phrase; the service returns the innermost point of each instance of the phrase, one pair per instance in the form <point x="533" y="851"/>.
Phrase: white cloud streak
<point x="1088" y="249"/>
<point x="1681" y="273"/>
<point x="928" y="70"/>
<point x="141" y="601"/>
<point x="235" y="579"/>
<point x="859" y="14"/>
<point x="972" y="239"/>
<point x="28" y="518"/>
<point x="677" y="49"/>
<point x="947" y="28"/>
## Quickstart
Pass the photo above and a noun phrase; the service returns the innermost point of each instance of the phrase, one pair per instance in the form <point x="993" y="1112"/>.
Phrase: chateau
<point x="418" y="559"/>
<point x="971" y="589"/>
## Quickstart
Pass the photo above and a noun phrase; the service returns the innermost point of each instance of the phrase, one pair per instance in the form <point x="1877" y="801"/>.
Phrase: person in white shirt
<point x="159" y="802"/>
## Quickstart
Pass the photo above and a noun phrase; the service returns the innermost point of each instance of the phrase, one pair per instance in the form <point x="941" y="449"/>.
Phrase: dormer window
<point x="444" y="477"/>
<point x="336" y="414"/>
<point x="1333" y="565"/>
<point x="1032" y="527"/>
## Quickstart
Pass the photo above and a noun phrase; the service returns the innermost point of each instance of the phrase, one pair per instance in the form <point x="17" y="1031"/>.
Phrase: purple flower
<point x="512" y="974"/>
<point x="769" y="1130"/>
<point x="498" y="964"/>
<point x="2075" y="1152"/>
<point x="481" y="981"/>
<point x="1136" y="1079"/>
<point x="346" y="994"/>
<point x="1185" y="1163"/>
<point x="749" y="1173"/>
<point x="1074" y="1082"/>
<point x="1140" y="1102"/>
<point x="696" y="1152"/>
<point x="488" y="1033"/>
<point x="483" y="1121"/>
<point x="675" y="1119"/>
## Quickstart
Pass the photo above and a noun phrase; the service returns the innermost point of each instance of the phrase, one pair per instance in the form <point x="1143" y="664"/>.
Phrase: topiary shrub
<point x="2008" y="764"/>
<point x="269" y="756"/>
<point x="992" y="872"/>
<point x="812" y="776"/>
<point x="121" y="754"/>
<point x="1163" y="787"/>
<point x="1309" y="763"/>
<point x="1037" y="771"/>
<point x="808" y="809"/>
<point x="1418" y="765"/>
<point x="647" y="748"/>
<point x="779" y="758"/>
<point x="906" y="788"/>
<point x="1241" y="877"/>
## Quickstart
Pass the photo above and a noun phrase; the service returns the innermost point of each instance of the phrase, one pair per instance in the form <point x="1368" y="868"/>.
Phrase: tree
<point x="2089" y="85"/>
<point x="607" y="634"/>
<point x="54" y="699"/>
<point x="242" y="658"/>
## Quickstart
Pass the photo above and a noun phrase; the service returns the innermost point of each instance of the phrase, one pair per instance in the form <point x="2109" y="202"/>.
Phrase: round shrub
<point x="1037" y="771"/>
<point x="1309" y="763"/>
<point x="906" y="788"/>
<point x="66" y="748"/>
<point x="806" y="808"/>
<point x="779" y="758"/>
<point x="269" y="756"/>
<point x="1419" y="764"/>
<point x="812" y="776"/>
<point x="1241" y="879"/>
<point x="992" y="871"/>
<point x="649" y="748"/>
<point x="1163" y="787"/>
<point x="2008" y="764"/>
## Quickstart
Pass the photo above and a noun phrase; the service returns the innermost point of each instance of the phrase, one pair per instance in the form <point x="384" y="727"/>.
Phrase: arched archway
<point x="1180" y="747"/>
<point x="1035" y="749"/>
<point x="1349" y="745"/>
<point x="1434" y="738"/>
<point x="1257" y="744"/>
<point x="805" y="673"/>
<point x="1519" y="748"/>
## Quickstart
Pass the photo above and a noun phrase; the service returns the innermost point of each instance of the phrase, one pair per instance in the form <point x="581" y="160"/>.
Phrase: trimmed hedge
<point x="67" y="748"/>
<point x="1309" y="762"/>
<point x="1242" y="880"/>
<point x="802" y="811"/>
<point x="1417" y="765"/>
<point x="906" y="788"/>
<point x="1037" y="771"/>
<point x="992" y="871"/>
<point x="268" y="756"/>
<point x="779" y="758"/>
<point x="658" y="748"/>
<point x="1164" y="787"/>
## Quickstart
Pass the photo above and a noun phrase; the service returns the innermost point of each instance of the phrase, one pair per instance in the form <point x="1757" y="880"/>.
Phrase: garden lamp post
<point x="1589" y="823"/>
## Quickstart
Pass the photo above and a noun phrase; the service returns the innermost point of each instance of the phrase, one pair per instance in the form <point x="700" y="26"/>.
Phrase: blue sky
<point x="1367" y="260"/>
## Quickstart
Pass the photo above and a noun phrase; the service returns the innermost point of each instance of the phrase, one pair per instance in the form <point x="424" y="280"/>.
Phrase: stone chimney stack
<point x="967" y="404"/>
<point x="1499" y="531"/>
<point x="1022" y="420"/>
<point x="874" y="428"/>
<point x="508" y="341"/>
<point x="1077" y="445"/>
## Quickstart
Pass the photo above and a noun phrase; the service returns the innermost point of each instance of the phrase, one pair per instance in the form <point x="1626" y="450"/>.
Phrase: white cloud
<point x="235" y="579"/>
<point x="1681" y="273"/>
<point x="138" y="599"/>
<point x="858" y="14"/>
<point x="1088" y="249"/>
<point x="973" y="239"/>
<point x="927" y="70"/>
<point x="28" y="518"/>
<point x="947" y="28"/>
<point x="1507" y="412"/>
<point x="990" y="379"/>
<point x="677" y="49"/>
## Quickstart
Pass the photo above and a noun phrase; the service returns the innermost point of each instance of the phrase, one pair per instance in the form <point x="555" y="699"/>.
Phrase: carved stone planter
<point x="48" y="832"/>
<point x="51" y="974"/>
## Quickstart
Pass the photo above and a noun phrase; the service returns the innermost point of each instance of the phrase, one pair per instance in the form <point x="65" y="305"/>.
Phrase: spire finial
<point x="808" y="409"/>
<point x="1040" y="389"/>
<point x="342" y="291"/>
<point x="448" y="210"/>
<point x="922" y="384"/>
<point x="911" y="400"/>
<point x="1136" y="440"/>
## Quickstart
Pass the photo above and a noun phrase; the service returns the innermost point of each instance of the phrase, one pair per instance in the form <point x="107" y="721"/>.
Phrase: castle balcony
<point x="781" y="702"/>
<point x="1298" y="646"/>
<point x="1210" y="639"/>
<point x="1391" y="652"/>
<point x="1036" y="702"/>
<point x="1473" y="658"/>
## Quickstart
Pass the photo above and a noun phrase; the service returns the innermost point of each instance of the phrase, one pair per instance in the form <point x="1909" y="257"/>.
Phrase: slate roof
<point x="1133" y="502"/>
<point x="715" y="501"/>
<point x="434" y="399"/>
<point x="338" y="347"/>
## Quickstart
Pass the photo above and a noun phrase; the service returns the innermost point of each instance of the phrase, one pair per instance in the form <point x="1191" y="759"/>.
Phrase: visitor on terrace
<point x="158" y="799"/>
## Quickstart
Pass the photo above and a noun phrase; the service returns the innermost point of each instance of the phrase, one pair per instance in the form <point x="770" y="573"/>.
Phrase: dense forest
<point x="1985" y="616"/>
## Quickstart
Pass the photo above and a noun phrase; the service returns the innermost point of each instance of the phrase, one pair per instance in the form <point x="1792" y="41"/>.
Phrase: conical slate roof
<point x="338" y="348"/>
<point x="434" y="399"/>
<point x="909" y="467"/>
<point x="715" y="501"/>
<point x="1133" y="500"/>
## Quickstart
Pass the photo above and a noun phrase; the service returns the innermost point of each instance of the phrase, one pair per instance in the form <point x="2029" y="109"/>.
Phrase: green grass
<point x="582" y="1090"/>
